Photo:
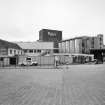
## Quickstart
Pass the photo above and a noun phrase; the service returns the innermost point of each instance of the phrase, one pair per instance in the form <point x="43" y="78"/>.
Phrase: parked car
<point x="34" y="63"/>
<point x="27" y="63"/>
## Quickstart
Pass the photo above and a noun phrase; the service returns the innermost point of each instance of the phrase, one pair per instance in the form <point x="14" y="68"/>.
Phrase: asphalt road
<point x="72" y="85"/>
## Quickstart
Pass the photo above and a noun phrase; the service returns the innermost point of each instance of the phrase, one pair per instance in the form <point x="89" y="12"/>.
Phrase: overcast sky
<point x="21" y="20"/>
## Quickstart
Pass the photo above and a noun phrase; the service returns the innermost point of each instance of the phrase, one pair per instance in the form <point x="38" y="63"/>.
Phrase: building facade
<point x="9" y="52"/>
<point x="37" y="48"/>
<point x="81" y="45"/>
<point x="40" y="52"/>
<point x="9" y="48"/>
<point x="47" y="35"/>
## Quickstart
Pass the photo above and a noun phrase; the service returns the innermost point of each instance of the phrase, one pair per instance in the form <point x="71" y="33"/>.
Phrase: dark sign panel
<point x="50" y="35"/>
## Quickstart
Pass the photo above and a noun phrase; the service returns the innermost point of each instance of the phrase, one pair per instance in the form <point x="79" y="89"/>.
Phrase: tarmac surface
<point x="69" y="85"/>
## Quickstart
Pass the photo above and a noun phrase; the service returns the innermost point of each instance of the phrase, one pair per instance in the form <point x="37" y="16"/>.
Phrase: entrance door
<point x="13" y="61"/>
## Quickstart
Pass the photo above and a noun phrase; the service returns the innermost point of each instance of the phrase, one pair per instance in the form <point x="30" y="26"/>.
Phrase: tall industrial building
<point x="46" y="35"/>
<point x="81" y="45"/>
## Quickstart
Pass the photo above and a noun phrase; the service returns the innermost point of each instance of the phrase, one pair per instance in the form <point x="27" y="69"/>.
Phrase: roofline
<point x="40" y="49"/>
<point x="97" y="49"/>
<point x="72" y="54"/>
<point x="81" y="37"/>
<point x="51" y="30"/>
<point x="8" y="44"/>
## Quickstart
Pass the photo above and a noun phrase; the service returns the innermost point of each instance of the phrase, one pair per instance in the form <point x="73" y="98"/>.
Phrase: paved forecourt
<point x="72" y="85"/>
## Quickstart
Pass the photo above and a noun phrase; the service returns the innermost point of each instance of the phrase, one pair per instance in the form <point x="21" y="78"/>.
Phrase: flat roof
<point x="97" y="49"/>
<point x="73" y="54"/>
<point x="81" y="37"/>
<point x="51" y="30"/>
<point x="4" y="56"/>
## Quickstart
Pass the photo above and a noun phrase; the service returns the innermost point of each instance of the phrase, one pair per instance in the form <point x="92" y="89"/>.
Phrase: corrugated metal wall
<point x="4" y="61"/>
<point x="42" y="60"/>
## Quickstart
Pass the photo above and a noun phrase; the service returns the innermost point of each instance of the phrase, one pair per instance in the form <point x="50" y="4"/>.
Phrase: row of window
<point x="14" y="52"/>
<point x="32" y="51"/>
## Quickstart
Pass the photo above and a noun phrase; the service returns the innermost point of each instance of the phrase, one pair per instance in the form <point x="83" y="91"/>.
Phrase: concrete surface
<point x="70" y="85"/>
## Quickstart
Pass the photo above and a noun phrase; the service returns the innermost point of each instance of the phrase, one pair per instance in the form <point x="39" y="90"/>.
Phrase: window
<point x="83" y="44"/>
<point x="10" y="51"/>
<point x="28" y="59"/>
<point x="21" y="52"/>
<point x="100" y="39"/>
<point x="30" y="51"/>
<point x="25" y="51"/>
<point x="14" y="51"/>
<point x="18" y="52"/>
<point x="1" y="59"/>
<point x="34" y="51"/>
<point x="92" y="43"/>
<point x="39" y="51"/>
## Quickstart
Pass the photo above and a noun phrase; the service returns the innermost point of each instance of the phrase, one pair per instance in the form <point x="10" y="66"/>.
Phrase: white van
<point x="28" y="62"/>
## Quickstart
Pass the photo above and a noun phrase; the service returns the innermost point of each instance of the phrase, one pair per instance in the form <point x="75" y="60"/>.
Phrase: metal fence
<point x="42" y="61"/>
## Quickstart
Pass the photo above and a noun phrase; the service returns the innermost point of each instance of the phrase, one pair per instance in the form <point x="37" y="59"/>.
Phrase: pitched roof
<point x="36" y="45"/>
<point x="6" y="44"/>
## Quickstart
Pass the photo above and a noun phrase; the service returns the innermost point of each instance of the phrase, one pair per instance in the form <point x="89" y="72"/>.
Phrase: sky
<point x="21" y="20"/>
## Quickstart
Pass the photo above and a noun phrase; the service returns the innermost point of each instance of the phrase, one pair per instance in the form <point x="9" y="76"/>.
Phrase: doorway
<point x="13" y="61"/>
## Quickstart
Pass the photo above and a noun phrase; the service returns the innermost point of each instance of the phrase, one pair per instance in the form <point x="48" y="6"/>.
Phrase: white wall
<point x="67" y="46"/>
<point x="60" y="47"/>
<point x="72" y="46"/>
<point x="14" y="52"/>
<point x="78" y="46"/>
<point x="64" y="47"/>
<point x="37" y="53"/>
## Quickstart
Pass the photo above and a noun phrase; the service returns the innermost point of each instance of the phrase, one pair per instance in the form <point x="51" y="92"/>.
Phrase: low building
<point x="37" y="48"/>
<point x="40" y="52"/>
<point x="9" y="48"/>
<point x="67" y="58"/>
<point x="9" y="52"/>
<point x="82" y="45"/>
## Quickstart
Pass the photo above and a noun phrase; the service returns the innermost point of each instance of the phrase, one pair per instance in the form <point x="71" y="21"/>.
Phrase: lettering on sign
<point x="51" y="34"/>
